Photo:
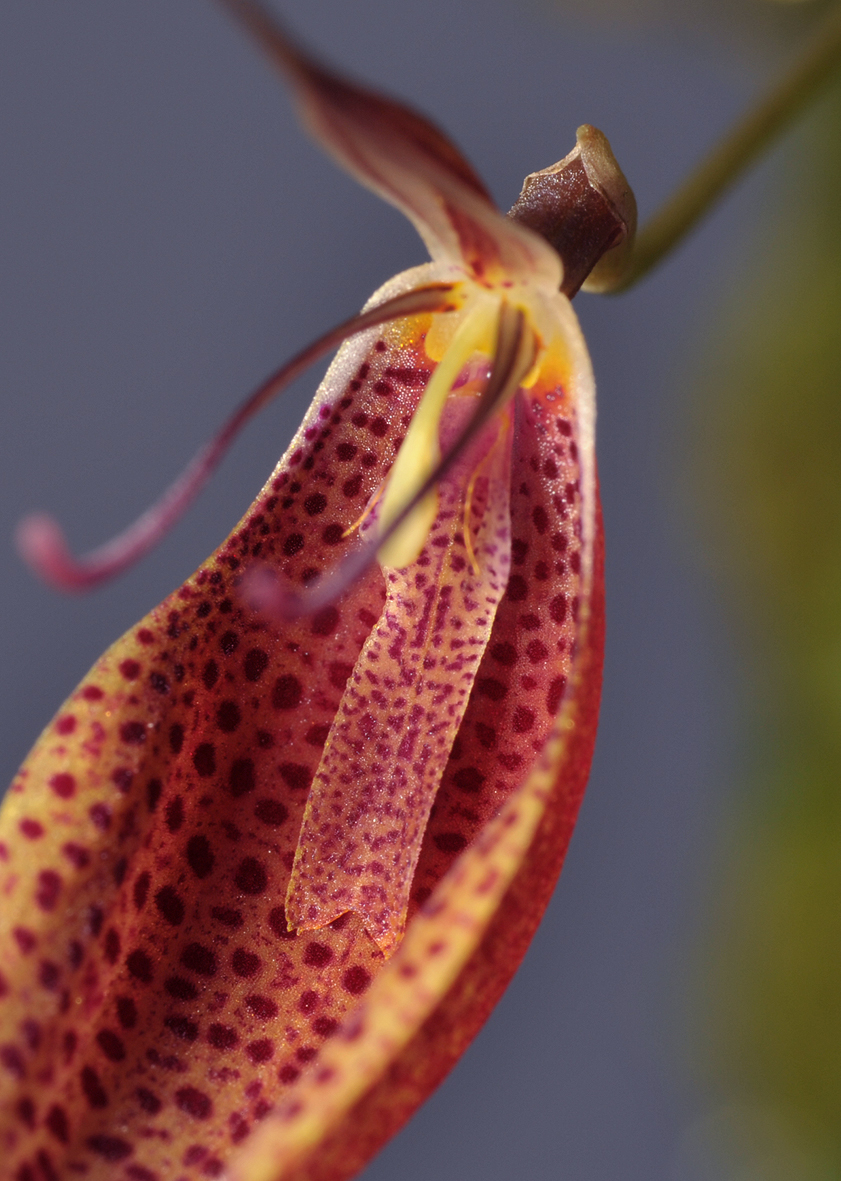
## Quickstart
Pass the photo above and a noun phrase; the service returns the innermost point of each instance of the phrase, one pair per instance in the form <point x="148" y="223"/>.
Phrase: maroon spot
<point x="75" y="955"/>
<point x="540" y="518"/>
<point x="49" y="888"/>
<point x="92" y="693"/>
<point x="93" y="1088"/>
<point x="345" y="452"/>
<point x="245" y="963"/>
<point x="175" y="814"/>
<point x="261" y="1006"/>
<point x="159" y="682"/>
<point x="110" y="1148"/>
<point x="317" y="955"/>
<point x="182" y="1027"/>
<point x="260" y="1051"/>
<point x="111" y="1046"/>
<point x="541" y="571"/>
<point x="296" y="775"/>
<point x="76" y="854"/>
<point x="119" y="871"/>
<point x="24" y="938"/>
<point x="63" y="785"/>
<point x="213" y="1167"/>
<point x="523" y="719"/>
<point x="228" y="918"/>
<point x="141" y="889"/>
<point x="492" y="688"/>
<point x="486" y="735"/>
<point x="57" y="1123"/>
<point x="351" y="487"/>
<point x="130" y="669"/>
<point x="145" y="636"/>
<point x="222" y="1037"/>
<point x="141" y="1173"/>
<point x="338" y="672"/>
<point x="32" y="1033"/>
<point x="176" y="737"/>
<point x="379" y="427"/>
<point x="194" y="1103"/>
<point x="239" y="1127"/>
<point x="530" y="622"/>
<point x="287" y="692"/>
<point x="199" y="856"/>
<point x="315" y="504"/>
<point x="241" y="777"/>
<point x="306" y="1053"/>
<point x="12" y="1059"/>
<point x="519" y="549"/>
<point x="356" y="980"/>
<point x="317" y="735"/>
<point x="550" y="469"/>
<point x="133" y="733"/>
<point x="450" y="842"/>
<point x="170" y="905"/>
<point x="229" y="642"/>
<point x="126" y="1012"/>
<point x="555" y="694"/>
<point x="271" y="811"/>
<point x="308" y="1001"/>
<point x="325" y="622"/>
<point x="228" y="716"/>
<point x="293" y="544"/>
<point x="518" y="588"/>
<point x="48" y="974"/>
<point x="288" y="1073"/>
<point x="325" y="1026"/>
<point x="255" y="664"/>
<point x="200" y="959"/>
<point x="332" y="534"/>
<point x="558" y="608"/>
<point x="468" y="779"/>
<point x="181" y="989"/>
<point x="204" y="759"/>
<point x="210" y="674"/>
<point x="96" y="918"/>
<point x="139" y="966"/>
<point x="32" y="829"/>
<point x="251" y="877"/>
<point x="148" y="1101"/>
<point x="194" y="1155"/>
<point x="505" y="654"/>
<point x="26" y="1112"/>
<point x="537" y="651"/>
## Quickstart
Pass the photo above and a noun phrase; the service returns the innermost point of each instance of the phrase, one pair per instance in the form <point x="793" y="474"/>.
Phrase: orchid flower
<point x="272" y="864"/>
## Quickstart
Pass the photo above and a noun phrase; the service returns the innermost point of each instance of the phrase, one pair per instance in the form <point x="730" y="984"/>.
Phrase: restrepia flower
<point x="272" y="864"/>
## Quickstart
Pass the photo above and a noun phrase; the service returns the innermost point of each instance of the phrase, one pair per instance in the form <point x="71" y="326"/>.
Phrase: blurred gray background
<point x="168" y="235"/>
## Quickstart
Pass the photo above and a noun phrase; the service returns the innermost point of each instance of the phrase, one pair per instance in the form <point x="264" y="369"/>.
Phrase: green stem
<point x="736" y="152"/>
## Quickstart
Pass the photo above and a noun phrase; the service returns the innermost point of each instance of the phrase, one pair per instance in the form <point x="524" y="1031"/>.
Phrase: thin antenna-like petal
<point x="405" y="159"/>
<point x="41" y="541"/>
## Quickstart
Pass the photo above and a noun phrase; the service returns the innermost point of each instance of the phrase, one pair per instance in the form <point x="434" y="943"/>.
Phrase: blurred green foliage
<point x="768" y="492"/>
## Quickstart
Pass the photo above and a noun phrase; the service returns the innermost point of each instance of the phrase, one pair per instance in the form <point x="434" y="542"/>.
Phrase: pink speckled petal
<point x="405" y="700"/>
